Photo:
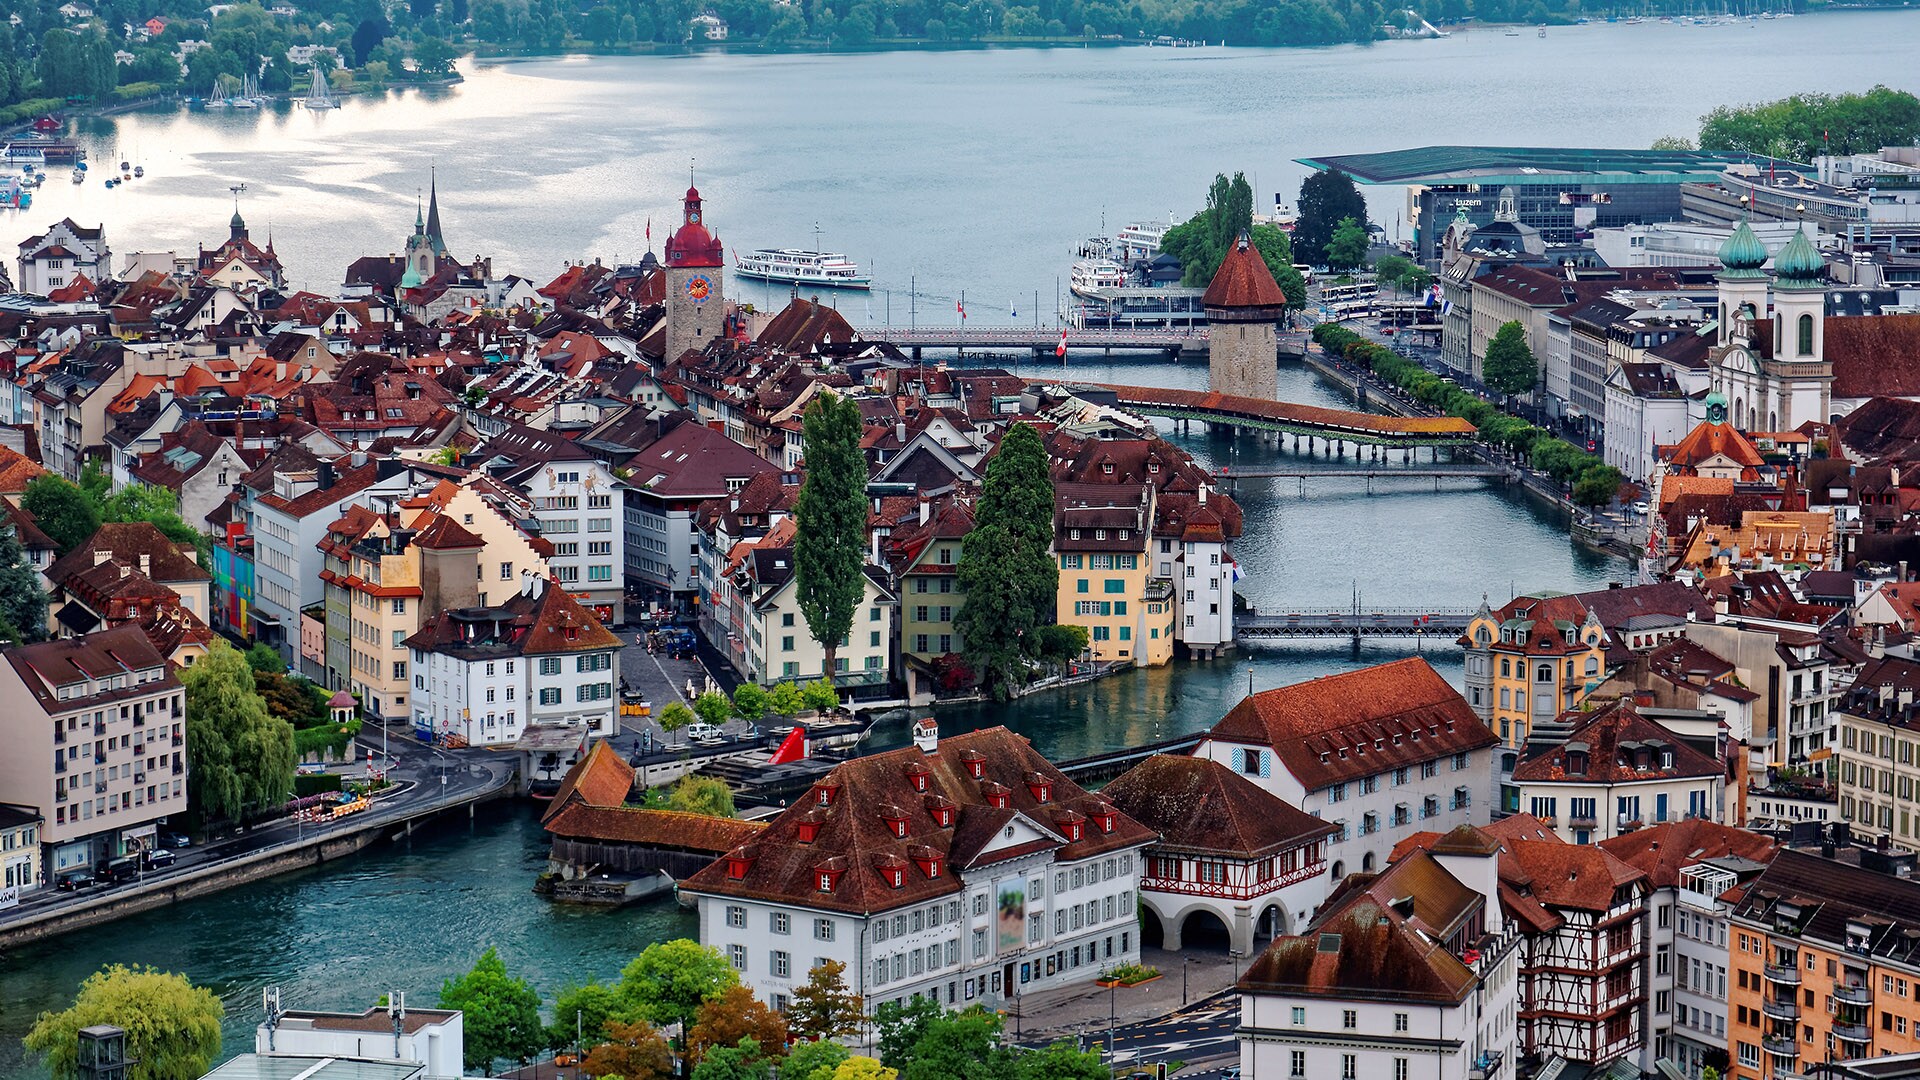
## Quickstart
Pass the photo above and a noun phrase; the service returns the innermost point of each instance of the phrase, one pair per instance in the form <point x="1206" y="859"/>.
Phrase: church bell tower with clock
<point x="696" y="304"/>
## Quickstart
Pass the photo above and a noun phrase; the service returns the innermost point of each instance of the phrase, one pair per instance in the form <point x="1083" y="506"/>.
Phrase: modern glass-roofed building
<point x="1561" y="191"/>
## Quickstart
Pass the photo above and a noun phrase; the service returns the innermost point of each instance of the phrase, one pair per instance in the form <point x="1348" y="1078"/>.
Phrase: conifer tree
<point x="830" y="516"/>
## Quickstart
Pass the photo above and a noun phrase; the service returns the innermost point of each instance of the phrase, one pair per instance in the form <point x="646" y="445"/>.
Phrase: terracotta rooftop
<point x="1243" y="281"/>
<point x="1200" y="805"/>
<point x="1662" y="851"/>
<point x="1342" y="727"/>
<point x="1621" y="747"/>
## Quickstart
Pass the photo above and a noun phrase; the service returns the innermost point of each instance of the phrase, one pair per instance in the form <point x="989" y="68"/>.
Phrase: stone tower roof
<point x="1244" y="282"/>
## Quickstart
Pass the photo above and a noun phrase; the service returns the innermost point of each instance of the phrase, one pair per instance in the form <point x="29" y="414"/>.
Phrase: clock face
<point x="699" y="287"/>
<point x="693" y="217"/>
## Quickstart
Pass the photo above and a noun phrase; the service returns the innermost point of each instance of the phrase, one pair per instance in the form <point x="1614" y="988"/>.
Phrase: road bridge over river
<point x="1337" y="427"/>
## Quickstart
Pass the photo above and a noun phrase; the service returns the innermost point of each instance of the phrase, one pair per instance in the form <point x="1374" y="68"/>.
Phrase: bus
<point x="1360" y="290"/>
<point x="1305" y="272"/>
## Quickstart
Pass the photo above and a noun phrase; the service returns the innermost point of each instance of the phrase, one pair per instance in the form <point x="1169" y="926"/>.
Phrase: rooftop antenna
<point x="270" y="999"/>
<point x="397" y="1008"/>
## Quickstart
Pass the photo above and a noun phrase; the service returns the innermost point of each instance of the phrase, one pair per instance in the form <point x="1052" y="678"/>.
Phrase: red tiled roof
<point x="1708" y="440"/>
<point x="600" y="778"/>
<point x="654" y="828"/>
<point x="1359" y="723"/>
<point x="127" y="541"/>
<point x="1874" y="355"/>
<point x="1563" y="875"/>
<point x="1197" y="804"/>
<point x="1243" y="281"/>
<point x="1662" y="851"/>
<point x="1612" y="736"/>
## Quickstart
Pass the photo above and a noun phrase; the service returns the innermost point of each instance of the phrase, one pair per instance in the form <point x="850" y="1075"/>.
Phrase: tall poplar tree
<point x="1006" y="562"/>
<point x="830" y="518"/>
<point x="240" y="756"/>
<point x="23" y="603"/>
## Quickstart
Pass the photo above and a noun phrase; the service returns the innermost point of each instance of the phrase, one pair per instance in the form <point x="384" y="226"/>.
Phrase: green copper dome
<point x="1799" y="265"/>
<point x="1743" y="254"/>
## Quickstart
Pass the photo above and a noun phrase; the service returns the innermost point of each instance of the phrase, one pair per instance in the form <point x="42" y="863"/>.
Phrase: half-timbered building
<point x="1232" y="857"/>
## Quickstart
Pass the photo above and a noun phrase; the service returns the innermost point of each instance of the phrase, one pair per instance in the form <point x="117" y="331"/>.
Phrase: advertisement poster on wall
<point x="1012" y="914"/>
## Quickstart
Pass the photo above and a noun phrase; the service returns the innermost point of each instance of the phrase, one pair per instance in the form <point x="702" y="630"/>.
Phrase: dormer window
<point x="1576" y="762"/>
<point x="942" y="810"/>
<point x="1040" y="786"/>
<point x="825" y="791"/>
<point x="896" y="820"/>
<point x="975" y="763"/>
<point x="827" y="875"/>
<point x="928" y="860"/>
<point x="919" y="775"/>
<point x="1105" y="818"/>
<point x="739" y="861"/>
<point x="892" y="870"/>
<point x="1073" y="825"/>
<point x="807" y="829"/>
<point x="998" y="796"/>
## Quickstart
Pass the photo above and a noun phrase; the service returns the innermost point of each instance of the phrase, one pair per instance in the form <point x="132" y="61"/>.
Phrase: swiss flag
<point x="1060" y="350"/>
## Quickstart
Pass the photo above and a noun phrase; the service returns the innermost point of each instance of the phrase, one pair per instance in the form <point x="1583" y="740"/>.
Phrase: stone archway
<point x="1271" y="924"/>
<point x="1203" y="928"/>
<point x="1153" y="932"/>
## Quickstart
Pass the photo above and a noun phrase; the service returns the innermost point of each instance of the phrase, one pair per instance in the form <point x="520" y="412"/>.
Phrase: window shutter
<point x="1239" y="762"/>
<point x="1266" y="763"/>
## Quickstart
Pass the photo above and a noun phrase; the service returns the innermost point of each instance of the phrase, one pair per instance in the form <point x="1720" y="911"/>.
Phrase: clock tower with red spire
<point x="696" y="307"/>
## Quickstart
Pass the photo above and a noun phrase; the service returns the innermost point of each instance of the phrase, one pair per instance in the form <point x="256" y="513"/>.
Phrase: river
<point x="943" y="171"/>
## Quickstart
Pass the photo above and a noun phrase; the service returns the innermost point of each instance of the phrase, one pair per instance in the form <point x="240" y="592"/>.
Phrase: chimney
<point x="1203" y="494"/>
<point x="926" y="509"/>
<point x="1902" y="576"/>
<point x="926" y="734"/>
<point x="323" y="476"/>
<point x="100" y="556"/>
<point x="900" y="432"/>
<point x="358" y="458"/>
<point x="146" y="564"/>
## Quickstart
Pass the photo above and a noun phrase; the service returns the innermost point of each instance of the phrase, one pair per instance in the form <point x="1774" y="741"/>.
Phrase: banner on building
<point x="9" y="897"/>
<point x="1012" y="919"/>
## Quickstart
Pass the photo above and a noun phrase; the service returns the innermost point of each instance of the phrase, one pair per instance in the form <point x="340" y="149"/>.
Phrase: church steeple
<point x="433" y="213"/>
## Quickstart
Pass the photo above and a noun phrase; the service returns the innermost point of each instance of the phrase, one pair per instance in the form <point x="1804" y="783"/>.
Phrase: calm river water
<point x="942" y="171"/>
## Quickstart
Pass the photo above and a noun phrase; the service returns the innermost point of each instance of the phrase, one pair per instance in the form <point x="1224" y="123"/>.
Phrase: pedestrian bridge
<point x="1337" y="426"/>
<point x="1447" y="623"/>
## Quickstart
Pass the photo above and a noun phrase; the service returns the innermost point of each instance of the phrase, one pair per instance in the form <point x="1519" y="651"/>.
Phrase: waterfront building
<point x="1823" y="951"/>
<point x="306" y="1042"/>
<point x="1695" y="869"/>
<point x="486" y="674"/>
<point x="1233" y="861"/>
<point x="1103" y="537"/>
<point x="1244" y="307"/>
<point x="1616" y="771"/>
<point x="727" y="528"/>
<point x="1380" y="752"/>
<point x="1562" y="192"/>
<point x="64" y="252"/>
<point x="695" y="269"/>
<point x="1531" y="660"/>
<point x="926" y="560"/>
<point x="1411" y="972"/>
<point x="19" y="851"/>
<point x="775" y="643"/>
<point x="1848" y="197"/>
<point x="964" y="870"/>
<point x="1647" y="407"/>
<point x="95" y="730"/>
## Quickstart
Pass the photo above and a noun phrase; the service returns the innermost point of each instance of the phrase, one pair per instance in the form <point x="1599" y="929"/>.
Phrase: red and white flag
<point x="961" y="307"/>
<point x="649" y="230"/>
<point x="1060" y="350"/>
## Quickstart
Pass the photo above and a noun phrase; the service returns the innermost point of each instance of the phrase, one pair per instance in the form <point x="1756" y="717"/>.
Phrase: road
<point x="424" y="776"/>
<point x="1200" y="1032"/>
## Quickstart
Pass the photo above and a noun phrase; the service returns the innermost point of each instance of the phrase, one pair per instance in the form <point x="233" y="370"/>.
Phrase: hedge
<point x="315" y="784"/>
<point x="1562" y="460"/>
<point x="330" y="738"/>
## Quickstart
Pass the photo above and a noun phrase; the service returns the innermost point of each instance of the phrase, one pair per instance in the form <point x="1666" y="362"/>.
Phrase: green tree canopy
<point x="23" y="603"/>
<point x="172" y="1026"/>
<point x="1202" y="241"/>
<point x="1805" y="125"/>
<point x="1597" y="486"/>
<point x="734" y="1016"/>
<point x="901" y="1027"/>
<point x="820" y="696"/>
<point x="61" y="510"/>
<point x="1510" y="367"/>
<point x="814" y="1060"/>
<point x="1007" y="566"/>
<point x="830" y="518"/>
<point x="702" y="795"/>
<point x="1348" y="248"/>
<point x="822" y="1007"/>
<point x="786" y="699"/>
<point x="582" y="1010"/>
<point x="713" y="707"/>
<point x="240" y="757"/>
<point x="669" y="981"/>
<point x="750" y="702"/>
<point x="961" y="1046"/>
<point x="1276" y="250"/>
<point x="1326" y="199"/>
<point x="1062" y="1061"/>
<point x="676" y="716"/>
<point x="742" y="1061"/>
<point x="502" y="1013"/>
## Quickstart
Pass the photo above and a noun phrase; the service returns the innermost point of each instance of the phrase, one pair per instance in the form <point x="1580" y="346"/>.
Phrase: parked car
<point x="77" y="882"/>
<point x="701" y="731"/>
<point x="1641" y="508"/>
<point x="176" y="840"/>
<point x="160" y="860"/>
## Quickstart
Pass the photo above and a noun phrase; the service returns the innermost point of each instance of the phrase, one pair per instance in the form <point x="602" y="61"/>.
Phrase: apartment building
<point x="1826" y="964"/>
<point x="1381" y="753"/>
<point x="1102" y="534"/>
<point x="580" y="505"/>
<point x="1617" y="771"/>
<point x="1410" y="973"/>
<point x="485" y="674"/>
<point x="965" y="870"/>
<point x="1532" y="659"/>
<point x="1873" y="764"/>
<point x="19" y="852"/>
<point x="95" y="731"/>
<point x="926" y="556"/>
<point x="669" y="479"/>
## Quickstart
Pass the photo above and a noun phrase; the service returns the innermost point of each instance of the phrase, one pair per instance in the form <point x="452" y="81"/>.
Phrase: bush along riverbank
<point x="1594" y="483"/>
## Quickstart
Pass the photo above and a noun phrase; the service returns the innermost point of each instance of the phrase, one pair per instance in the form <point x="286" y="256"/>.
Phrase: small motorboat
<point x="139" y="170"/>
<point x="111" y="181"/>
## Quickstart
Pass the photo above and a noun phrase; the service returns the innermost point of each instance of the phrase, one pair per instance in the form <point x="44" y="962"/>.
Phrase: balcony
<point x="140" y="778"/>
<point x="178" y="768"/>
<point x="1853" y="995"/>
<point x="1485" y="1067"/>
<point x="177" y="740"/>
<point x="1785" y="976"/>
<point x="1853" y="1033"/>
<point x="139" y="720"/>
<point x="100" y="787"/>
<point x="1780" y="1010"/>
<point x="1785" y="1048"/>
<point x="1582" y="821"/>
<point x="99" y="727"/>
<point x="99" y="757"/>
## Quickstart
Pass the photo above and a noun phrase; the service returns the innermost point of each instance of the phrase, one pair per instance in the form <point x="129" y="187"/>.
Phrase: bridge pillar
<point x="916" y="352"/>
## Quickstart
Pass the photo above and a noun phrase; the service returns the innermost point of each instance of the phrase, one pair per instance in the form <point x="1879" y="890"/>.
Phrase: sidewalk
<point x="1085" y="1008"/>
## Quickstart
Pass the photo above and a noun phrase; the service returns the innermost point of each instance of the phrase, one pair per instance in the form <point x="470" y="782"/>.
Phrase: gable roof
<point x="1342" y="727"/>
<point x="1662" y="851"/>
<point x="1612" y="737"/>
<point x="1197" y="804"/>
<point x="127" y="541"/>
<point x="599" y="778"/>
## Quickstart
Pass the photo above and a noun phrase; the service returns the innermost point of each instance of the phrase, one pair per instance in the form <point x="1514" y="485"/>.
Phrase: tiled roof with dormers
<point x="855" y="847"/>
<point x="1342" y="727"/>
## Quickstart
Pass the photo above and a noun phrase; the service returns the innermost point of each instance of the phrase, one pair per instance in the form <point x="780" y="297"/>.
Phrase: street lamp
<point x="1185" y="962"/>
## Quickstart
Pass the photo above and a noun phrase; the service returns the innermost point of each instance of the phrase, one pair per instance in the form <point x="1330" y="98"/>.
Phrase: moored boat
<point x="794" y="266"/>
<point x="1089" y="276"/>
